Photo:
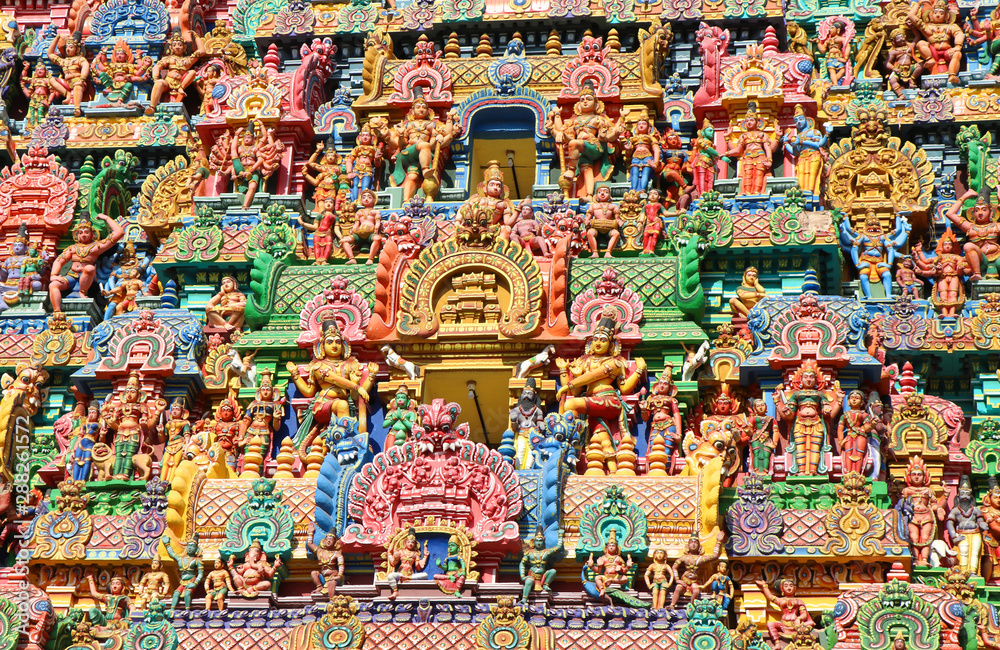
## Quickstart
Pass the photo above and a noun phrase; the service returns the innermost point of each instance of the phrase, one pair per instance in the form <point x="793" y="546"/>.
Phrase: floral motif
<point x="754" y="521"/>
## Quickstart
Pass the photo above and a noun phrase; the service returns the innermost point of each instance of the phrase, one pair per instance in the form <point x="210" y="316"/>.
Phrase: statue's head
<point x="856" y="400"/>
<point x="177" y="409"/>
<point x="453" y="545"/>
<point x="229" y="285"/>
<point x="116" y="586"/>
<point x="266" y="390"/>
<point x="155" y="565"/>
<point x="538" y="541"/>
<point x="132" y="389"/>
<point x="177" y="44"/>
<point x="672" y="139"/>
<point x="611" y="546"/>
<point x="787" y="587"/>
<point x="332" y="344"/>
<point x="411" y="542"/>
<point x="73" y="45"/>
<point x="420" y="109"/>
<point x="83" y="233"/>
<point x="750" y="276"/>
<point x="898" y="37"/>
<point x="603" y="194"/>
<point x="660" y="555"/>
<point x="653" y="196"/>
<point x="694" y="545"/>
<point x="760" y="407"/>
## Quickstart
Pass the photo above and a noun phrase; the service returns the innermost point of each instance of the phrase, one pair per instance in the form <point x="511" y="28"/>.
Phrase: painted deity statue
<point x="906" y="277"/>
<point x="322" y="229"/>
<point x="366" y="157"/>
<point x="675" y="165"/>
<point x="491" y="202"/>
<point x="852" y="433"/>
<point x="720" y="586"/>
<point x="763" y="438"/>
<point x="754" y="148"/>
<point x="611" y="570"/>
<point x="454" y="567"/>
<point x="602" y="219"/>
<point x="119" y="72"/>
<point x="661" y="409"/>
<point x="593" y="386"/>
<point x="174" y="72"/>
<point x="75" y="69"/>
<point x="176" y="431"/>
<point x="154" y="585"/>
<point x="873" y="251"/>
<point x="191" y="569"/>
<point x="921" y="510"/>
<point x="333" y="379"/>
<point x="224" y="431"/>
<point x="329" y="175"/>
<point x="364" y="229"/>
<point x="748" y="294"/>
<point x="686" y="569"/>
<point x="254" y="155"/>
<point x="654" y="213"/>
<point x="226" y="309"/>
<point x="808" y="404"/>
<point x="400" y="416"/>
<point x="420" y="141"/>
<point x="900" y="63"/>
<point x="585" y="141"/>
<point x="255" y="574"/>
<point x="940" y="40"/>
<point x="980" y="225"/>
<point x="792" y="608"/>
<point x="331" y="563"/>
<point x="704" y="159"/>
<point x="406" y="563"/>
<point x="807" y="146"/>
<point x="986" y="32"/>
<point x="836" y="47"/>
<point x="90" y="431"/>
<point x="262" y="418"/>
<point x="947" y="268"/>
<point x="132" y="418"/>
<point x="642" y="147"/>
<point x="658" y="578"/>
<point x="536" y="568"/>
<point x="525" y="229"/>
<point x="40" y="88"/>
<point x="82" y="256"/>
<point x="965" y="525"/>
<point x="113" y="607"/>
<point x="526" y="418"/>
<point x="218" y="584"/>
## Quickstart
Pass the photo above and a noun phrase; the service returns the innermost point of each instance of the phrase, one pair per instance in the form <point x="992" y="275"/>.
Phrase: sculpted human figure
<point x="114" y="606"/>
<point x="593" y="385"/>
<point x="418" y="141"/>
<point x="685" y="570"/>
<point x="525" y="229"/>
<point x="41" y="89"/>
<point x="263" y="417"/>
<point x="225" y="430"/>
<point x="919" y="499"/>
<point x="90" y="429"/>
<point x="642" y="147"/>
<point x="990" y="510"/>
<point x="602" y="218"/>
<point x="807" y="404"/>
<point x="82" y="256"/>
<point x="754" y="147"/>
<point x="154" y="585"/>
<point x="720" y="586"/>
<point x="331" y="563"/>
<point x="852" y="433"/>
<point x="406" y="563"/>
<point x="176" y="432"/>
<point x="454" y="568"/>
<point x="899" y="62"/>
<point x="132" y="418"/>
<point x="254" y="155"/>
<point x="400" y="416"/>
<point x="988" y="32"/>
<point x="906" y="278"/>
<point x="748" y="294"/>
<point x="75" y="69"/>
<point x="675" y="165"/>
<point x="365" y="157"/>
<point x="664" y="415"/>
<point x="226" y="309"/>
<point x="940" y="40"/>
<point x="526" y="417"/>
<point x="793" y="611"/>
<point x="658" y="578"/>
<point x="329" y="177"/>
<point x="191" y="570"/>
<point x="322" y="229"/>
<point x="807" y="145"/>
<point x="763" y="438"/>
<point x="584" y="140"/>
<point x="119" y="73"/>
<point x="704" y="159"/>
<point x="537" y="572"/>
<point x="980" y="225"/>
<point x="367" y="223"/>
<point x="122" y="298"/>
<point x="836" y="48"/>
<point x="611" y="569"/>
<point x="965" y="525"/>
<point x="217" y="586"/>
<point x="873" y="251"/>
<point x="947" y="268"/>
<point x="174" y="72"/>
<point x="652" y="225"/>
<point x="254" y="575"/>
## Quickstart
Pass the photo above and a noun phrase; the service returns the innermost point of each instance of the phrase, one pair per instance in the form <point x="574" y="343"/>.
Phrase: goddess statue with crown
<point x="177" y="70"/>
<point x="334" y="380"/>
<point x="262" y="417"/>
<point x="593" y="385"/>
<point x="809" y="402"/>
<point x="118" y="73"/>
<point x="585" y="141"/>
<point x="703" y="159"/>
<point x="75" y="69"/>
<point x="611" y="570"/>
<point x="920" y="510"/>
<point x="132" y="418"/>
<point x="406" y="563"/>
<point x="940" y="39"/>
<point x="419" y="141"/>
<point x="754" y="147"/>
<point x="807" y="145"/>
<point x="980" y="225"/>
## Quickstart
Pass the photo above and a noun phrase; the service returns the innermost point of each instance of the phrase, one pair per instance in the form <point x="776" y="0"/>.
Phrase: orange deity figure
<point x="939" y="38"/>
<point x="226" y="308"/>
<point x="365" y="228"/>
<point x="419" y="141"/>
<point x="133" y="418"/>
<point x="322" y="229"/>
<point x="602" y="219"/>
<point x="921" y="510"/>
<point x="175" y="71"/>
<point x="366" y="157"/>
<point x="981" y="227"/>
<point x="703" y="159"/>
<point x="249" y="158"/>
<point x="118" y="73"/>
<point x="808" y="402"/>
<point x="611" y="570"/>
<point x="491" y="201"/>
<point x="330" y="174"/>
<point x="852" y="433"/>
<point x="593" y="386"/>
<point x="754" y="147"/>
<point x="584" y="141"/>
<point x="75" y="69"/>
<point x="947" y="268"/>
<point x="794" y="614"/>
<point x="82" y="256"/>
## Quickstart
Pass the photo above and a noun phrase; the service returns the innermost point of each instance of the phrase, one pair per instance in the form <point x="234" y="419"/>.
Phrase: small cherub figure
<point x="659" y="578"/>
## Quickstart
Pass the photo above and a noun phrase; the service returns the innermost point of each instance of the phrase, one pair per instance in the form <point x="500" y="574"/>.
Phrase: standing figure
<point x="947" y="268"/>
<point x="808" y="404"/>
<point x="176" y="432"/>
<point x="987" y="32"/>
<point x="900" y="63"/>
<point x="191" y="570"/>
<point x="807" y="145"/>
<point x="939" y="39"/>
<point x="685" y="569"/>
<point x="748" y="294"/>
<point x="602" y="374"/>
<point x="965" y="525"/>
<point x="132" y="417"/>
<point x="177" y="69"/>
<point x="653" y="224"/>
<point x="658" y="578"/>
<point x="419" y="141"/>
<point x="643" y="150"/>
<point x="537" y="572"/>
<point x="763" y="438"/>
<point x="852" y="433"/>
<point x="584" y="141"/>
<point x="331" y="563"/>
<point x="366" y="157"/>
<point x="75" y="69"/>
<point x="254" y="155"/>
<point x="602" y="218"/>
<point x="526" y="418"/>
<point x="704" y="159"/>
<point x="118" y="74"/>
<point x="367" y="223"/>
<point x="330" y="177"/>
<point x="90" y="429"/>
<point x="794" y="614"/>
<point x="226" y="309"/>
<point x="836" y="45"/>
<point x="217" y="586"/>
<point x="322" y="229"/>
<point x="906" y="278"/>
<point x="154" y="585"/>
<point x="675" y="164"/>
<point x="406" y="563"/>
<point x="255" y="574"/>
<point x="225" y="430"/>
<point x="917" y="500"/>
<point x="40" y="88"/>
<point x="754" y="147"/>
<point x="400" y="416"/>
<point x="664" y="415"/>
<point x="611" y="570"/>
<point x="82" y="256"/>
<point x="991" y="514"/>
<point x="872" y="251"/>
<point x="262" y="417"/>
<point x="980" y="225"/>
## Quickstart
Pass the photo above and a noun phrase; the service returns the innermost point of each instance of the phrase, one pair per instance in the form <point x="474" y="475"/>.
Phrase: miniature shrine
<point x="479" y="325"/>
